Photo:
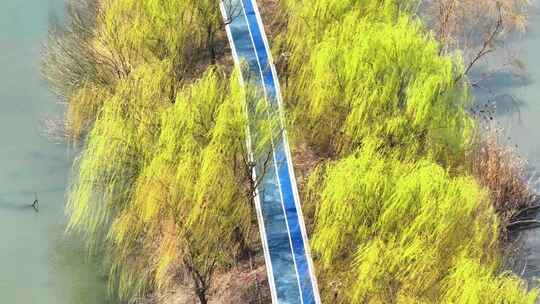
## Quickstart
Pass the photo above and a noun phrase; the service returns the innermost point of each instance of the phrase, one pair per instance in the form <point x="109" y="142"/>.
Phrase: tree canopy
<point x="164" y="186"/>
<point x="398" y="216"/>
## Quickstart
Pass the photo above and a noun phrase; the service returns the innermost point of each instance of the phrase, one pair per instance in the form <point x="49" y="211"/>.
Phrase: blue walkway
<point x="290" y="270"/>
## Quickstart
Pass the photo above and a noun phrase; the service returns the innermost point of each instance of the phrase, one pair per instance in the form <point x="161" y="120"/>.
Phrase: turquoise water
<point x="38" y="263"/>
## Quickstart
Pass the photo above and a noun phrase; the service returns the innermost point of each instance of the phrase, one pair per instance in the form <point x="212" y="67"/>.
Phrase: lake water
<point x="38" y="263"/>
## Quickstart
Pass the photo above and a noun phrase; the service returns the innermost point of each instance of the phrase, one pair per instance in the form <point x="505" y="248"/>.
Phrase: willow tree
<point x="374" y="72"/>
<point x="164" y="181"/>
<point x="394" y="232"/>
<point x="167" y="189"/>
<point x="103" y="41"/>
<point x="398" y="217"/>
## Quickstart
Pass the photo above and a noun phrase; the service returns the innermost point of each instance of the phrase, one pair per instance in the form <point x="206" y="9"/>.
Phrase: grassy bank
<point x="397" y="209"/>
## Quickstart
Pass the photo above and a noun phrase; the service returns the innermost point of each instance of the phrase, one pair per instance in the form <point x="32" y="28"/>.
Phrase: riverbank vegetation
<point x="399" y="216"/>
<point x="397" y="208"/>
<point x="163" y="184"/>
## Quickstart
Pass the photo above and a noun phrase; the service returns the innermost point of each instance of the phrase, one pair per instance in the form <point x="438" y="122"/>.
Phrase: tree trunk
<point x="210" y="43"/>
<point x="201" y="294"/>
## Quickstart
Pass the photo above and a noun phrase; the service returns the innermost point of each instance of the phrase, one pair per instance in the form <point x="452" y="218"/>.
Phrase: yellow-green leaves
<point x="471" y="282"/>
<point x="166" y="187"/>
<point x="378" y="78"/>
<point x="398" y="217"/>
<point x="164" y="181"/>
<point x="107" y="40"/>
<point x="404" y="232"/>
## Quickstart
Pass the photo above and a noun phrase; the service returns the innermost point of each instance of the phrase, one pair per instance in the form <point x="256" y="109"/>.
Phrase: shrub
<point x="167" y="190"/>
<point x="399" y="217"/>
<point x="393" y="232"/>
<point x="368" y="75"/>
<point x="502" y="170"/>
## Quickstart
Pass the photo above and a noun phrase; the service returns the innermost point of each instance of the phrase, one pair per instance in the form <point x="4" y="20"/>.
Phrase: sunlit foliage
<point x="104" y="41"/>
<point x="410" y="233"/>
<point x="399" y="218"/>
<point x="163" y="184"/>
<point x="166" y="190"/>
<point x="374" y="72"/>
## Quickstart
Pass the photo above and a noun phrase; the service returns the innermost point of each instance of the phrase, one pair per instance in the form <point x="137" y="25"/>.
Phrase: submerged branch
<point x="523" y="224"/>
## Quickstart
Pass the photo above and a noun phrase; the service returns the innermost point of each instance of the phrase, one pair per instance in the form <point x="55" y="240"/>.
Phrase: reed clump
<point x="500" y="168"/>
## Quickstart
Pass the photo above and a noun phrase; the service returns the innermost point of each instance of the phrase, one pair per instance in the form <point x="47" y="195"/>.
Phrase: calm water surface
<point x="38" y="264"/>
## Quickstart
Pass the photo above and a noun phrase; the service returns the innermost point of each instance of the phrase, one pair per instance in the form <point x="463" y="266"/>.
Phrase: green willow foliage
<point x="374" y="77"/>
<point x="163" y="183"/>
<point x="164" y="186"/>
<point x="398" y="218"/>
<point x="104" y="41"/>
<point x="166" y="189"/>
<point x="394" y="232"/>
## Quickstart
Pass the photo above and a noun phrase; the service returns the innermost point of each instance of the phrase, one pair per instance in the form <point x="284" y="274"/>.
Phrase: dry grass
<point x="247" y="283"/>
<point x="465" y="24"/>
<point x="502" y="170"/>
